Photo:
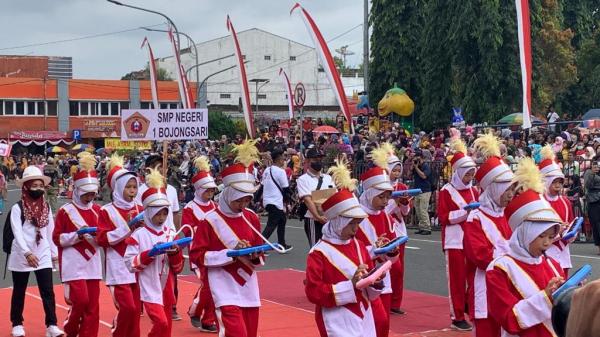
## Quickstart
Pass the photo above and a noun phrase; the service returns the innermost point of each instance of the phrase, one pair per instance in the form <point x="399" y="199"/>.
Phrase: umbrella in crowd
<point x="56" y="149"/>
<point x="325" y="129"/>
<point x="82" y="147"/>
<point x="517" y="119"/>
<point x="591" y="114"/>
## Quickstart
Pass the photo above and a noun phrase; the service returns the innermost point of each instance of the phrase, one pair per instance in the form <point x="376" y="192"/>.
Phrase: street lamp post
<point x="191" y="41"/>
<point x="203" y="96"/>
<point x="257" y="81"/>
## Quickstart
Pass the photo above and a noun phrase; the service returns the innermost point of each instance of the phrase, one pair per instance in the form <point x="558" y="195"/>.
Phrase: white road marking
<point x="64" y="307"/>
<point x="411" y="247"/>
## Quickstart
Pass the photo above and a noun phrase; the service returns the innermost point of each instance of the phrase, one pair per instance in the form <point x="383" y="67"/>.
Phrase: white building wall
<point x="256" y="44"/>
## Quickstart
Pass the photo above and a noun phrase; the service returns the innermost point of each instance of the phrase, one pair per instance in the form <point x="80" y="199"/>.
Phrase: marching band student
<point x="378" y="229"/>
<point x="553" y="181"/>
<point x="336" y="263"/>
<point x="113" y="229"/>
<point x="398" y="208"/>
<point x="233" y="281"/>
<point x="486" y="231"/>
<point x="79" y="255"/>
<point x="202" y="310"/>
<point x="521" y="283"/>
<point x="454" y="196"/>
<point x="154" y="274"/>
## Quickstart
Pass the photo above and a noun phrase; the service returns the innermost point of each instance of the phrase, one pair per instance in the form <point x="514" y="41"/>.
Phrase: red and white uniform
<point x="233" y="283"/>
<point x="452" y="216"/>
<point x="486" y="234"/>
<point x="80" y="268"/>
<point x="519" y="303"/>
<point x="203" y="305"/>
<point x="341" y="309"/>
<point x="154" y="274"/>
<point x="398" y="212"/>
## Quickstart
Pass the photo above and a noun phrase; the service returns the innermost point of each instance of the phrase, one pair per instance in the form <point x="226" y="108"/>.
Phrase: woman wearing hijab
<point x="32" y="250"/>
<point x="79" y="256"/>
<point x="453" y="198"/>
<point x="233" y="281"/>
<point x="202" y="310"/>
<point x="155" y="273"/>
<point x="521" y="283"/>
<point x="113" y="229"/>
<point x="378" y="228"/>
<point x="337" y="262"/>
<point x="486" y="231"/>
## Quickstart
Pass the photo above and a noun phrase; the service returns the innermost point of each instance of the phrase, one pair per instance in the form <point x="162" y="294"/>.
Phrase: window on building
<point x="262" y="96"/>
<point x="164" y="105"/>
<point x="41" y="108"/>
<point x="224" y="96"/>
<point x="9" y="107"/>
<point x="292" y="58"/>
<point x="19" y="108"/>
<point x="1" y="107"/>
<point x="73" y="108"/>
<point x="104" y="108"/>
<point x="320" y="69"/>
<point x="146" y="105"/>
<point x="84" y="108"/>
<point x="124" y="105"/>
<point x="30" y="108"/>
<point x="94" y="109"/>
<point x="52" y="108"/>
<point x="267" y="57"/>
<point x="114" y="109"/>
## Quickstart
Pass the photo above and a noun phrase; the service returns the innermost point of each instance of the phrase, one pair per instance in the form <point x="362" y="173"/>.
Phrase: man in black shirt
<point x="422" y="174"/>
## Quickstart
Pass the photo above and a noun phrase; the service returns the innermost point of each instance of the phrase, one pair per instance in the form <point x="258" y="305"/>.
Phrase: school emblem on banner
<point x="136" y="126"/>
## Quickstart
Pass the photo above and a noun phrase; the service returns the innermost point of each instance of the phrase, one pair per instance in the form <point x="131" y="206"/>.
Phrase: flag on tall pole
<point x="245" y="92"/>
<point x="327" y="61"/>
<point x="524" y="30"/>
<point x="152" y="67"/>
<point x="184" y="93"/>
<point x="288" y="90"/>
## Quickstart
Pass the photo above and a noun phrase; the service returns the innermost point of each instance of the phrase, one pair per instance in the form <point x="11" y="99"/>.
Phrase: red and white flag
<point x="245" y="92"/>
<point x="327" y="61"/>
<point x="184" y="93"/>
<point x="524" y="30"/>
<point x="152" y="67"/>
<point x="288" y="90"/>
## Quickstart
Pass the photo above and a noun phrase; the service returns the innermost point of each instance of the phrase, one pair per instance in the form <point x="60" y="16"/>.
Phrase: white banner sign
<point x="164" y="124"/>
<point x="5" y="149"/>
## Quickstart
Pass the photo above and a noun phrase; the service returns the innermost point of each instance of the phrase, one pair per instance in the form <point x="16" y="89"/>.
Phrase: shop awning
<point x="40" y="138"/>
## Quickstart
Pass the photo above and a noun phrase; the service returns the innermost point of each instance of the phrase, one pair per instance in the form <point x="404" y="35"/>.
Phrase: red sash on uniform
<point x="86" y="249"/>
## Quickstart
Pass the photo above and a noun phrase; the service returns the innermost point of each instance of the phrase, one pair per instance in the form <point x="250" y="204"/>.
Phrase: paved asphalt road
<point x="425" y="267"/>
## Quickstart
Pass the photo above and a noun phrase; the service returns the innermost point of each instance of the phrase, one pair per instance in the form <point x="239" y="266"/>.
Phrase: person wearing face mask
<point x="336" y="263"/>
<point x="521" y="282"/>
<point x="32" y="250"/>
<point x="378" y="229"/>
<point x="233" y="280"/>
<point x="154" y="274"/>
<point x="202" y="310"/>
<point x="454" y="196"/>
<point x="311" y="181"/>
<point x="486" y="231"/>
<point x="79" y="255"/>
<point x="553" y="187"/>
<point x="113" y="230"/>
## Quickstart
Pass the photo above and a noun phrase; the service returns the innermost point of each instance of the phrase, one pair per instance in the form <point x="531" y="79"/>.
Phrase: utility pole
<point x="366" y="47"/>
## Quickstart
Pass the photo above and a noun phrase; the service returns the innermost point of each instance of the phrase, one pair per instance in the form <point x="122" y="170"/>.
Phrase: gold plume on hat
<point x="202" y="164"/>
<point x="547" y="153"/>
<point x="87" y="161"/>
<point x="458" y="146"/>
<point x="341" y="175"/>
<point x="247" y="153"/>
<point x="381" y="154"/>
<point x="487" y="145"/>
<point x="154" y="179"/>
<point x="115" y="160"/>
<point x="528" y="176"/>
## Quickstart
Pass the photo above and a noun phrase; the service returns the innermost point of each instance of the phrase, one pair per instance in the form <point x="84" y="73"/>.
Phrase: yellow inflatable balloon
<point x="396" y="100"/>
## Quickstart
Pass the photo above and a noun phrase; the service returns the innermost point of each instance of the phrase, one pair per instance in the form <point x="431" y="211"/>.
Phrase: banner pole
<point x="165" y="156"/>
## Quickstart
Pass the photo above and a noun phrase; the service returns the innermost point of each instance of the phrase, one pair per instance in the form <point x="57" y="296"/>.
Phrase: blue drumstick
<point x="391" y="245"/>
<point x="136" y="219"/>
<point x="472" y="206"/>
<point x="162" y="247"/>
<point x="87" y="230"/>
<point x="249" y="250"/>
<point x="574" y="280"/>
<point x="407" y="193"/>
<point x="574" y="229"/>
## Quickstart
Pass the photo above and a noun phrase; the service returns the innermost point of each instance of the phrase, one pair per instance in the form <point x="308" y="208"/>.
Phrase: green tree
<point x="219" y="124"/>
<point x="144" y="75"/>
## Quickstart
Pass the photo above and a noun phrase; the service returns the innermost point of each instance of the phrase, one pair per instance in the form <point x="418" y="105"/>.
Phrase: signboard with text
<point x="164" y="124"/>
<point x="118" y="144"/>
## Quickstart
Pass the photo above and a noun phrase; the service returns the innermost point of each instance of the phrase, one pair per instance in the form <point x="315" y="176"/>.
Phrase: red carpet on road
<point x="285" y="310"/>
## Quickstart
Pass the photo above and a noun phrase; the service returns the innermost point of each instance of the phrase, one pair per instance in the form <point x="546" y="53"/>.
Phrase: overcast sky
<point x="36" y="22"/>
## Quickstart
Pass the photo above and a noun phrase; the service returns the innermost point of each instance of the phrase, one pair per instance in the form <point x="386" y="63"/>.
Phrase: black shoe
<point x="175" y="316"/>
<point x="419" y="231"/>
<point x="196" y="322"/>
<point x="461" y="326"/>
<point x="398" y="311"/>
<point x="209" y="328"/>
<point x="425" y="232"/>
<point x="287" y="248"/>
